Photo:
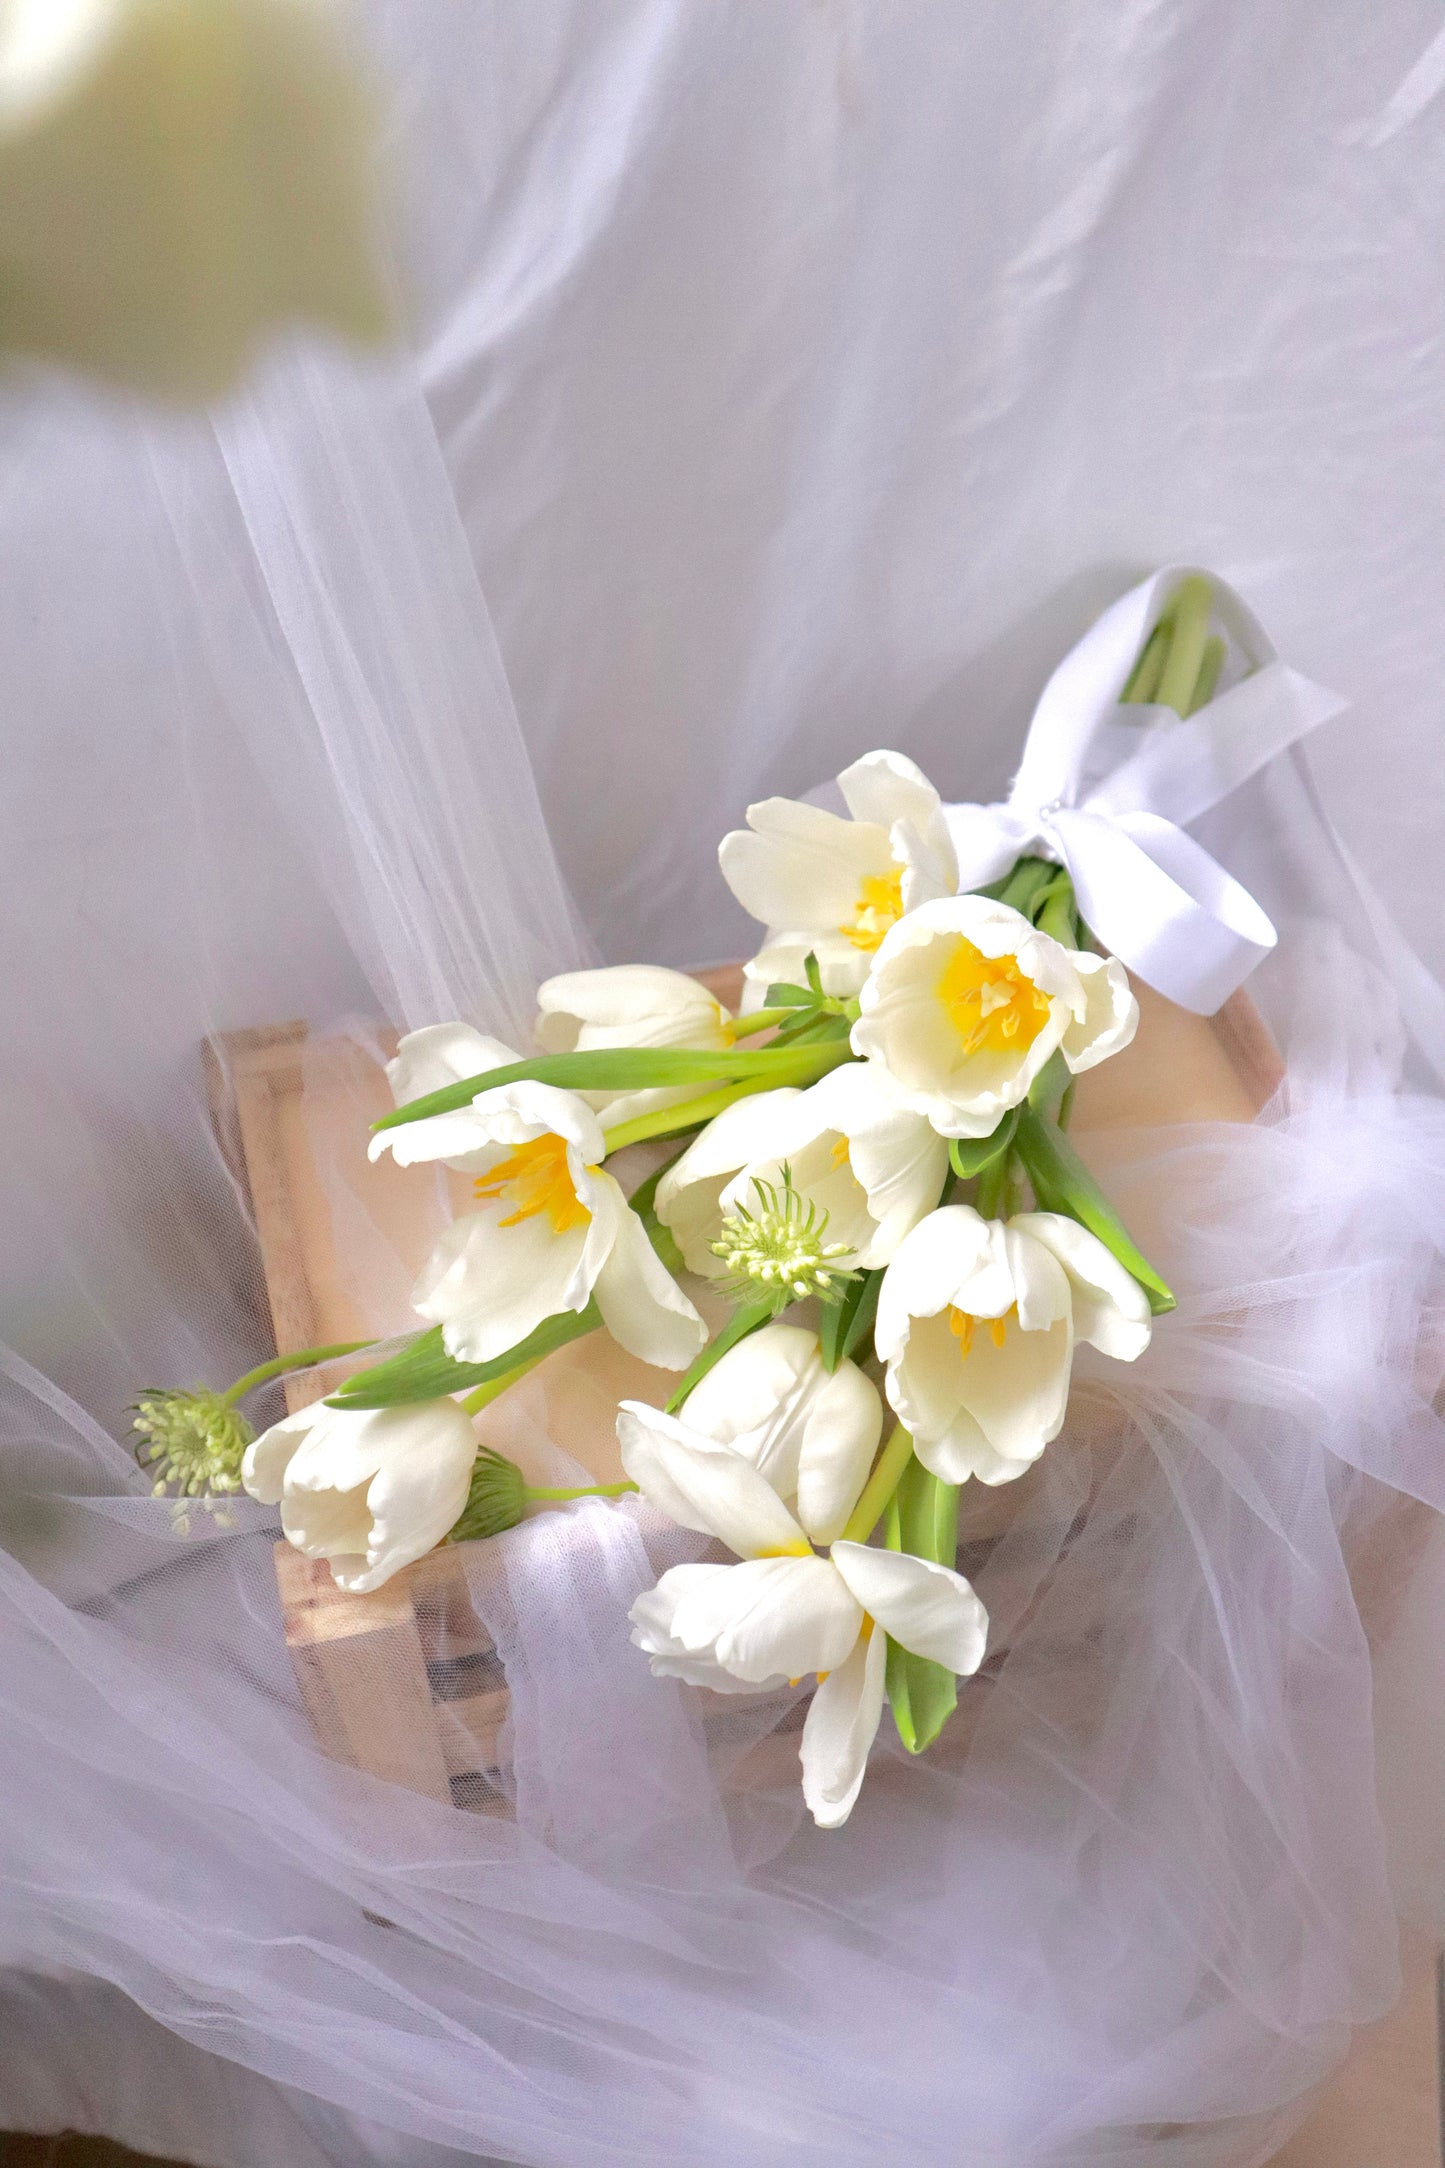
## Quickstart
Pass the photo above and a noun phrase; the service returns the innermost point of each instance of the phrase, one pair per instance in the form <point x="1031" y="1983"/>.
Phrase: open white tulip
<point x="855" y="1150"/>
<point x="788" y="1609"/>
<point x="368" y="1491"/>
<point x="833" y="886"/>
<point x="177" y="176"/>
<point x="966" y="1001"/>
<point x="977" y="1321"/>
<point x="631" y="1005"/>
<point x="552" y="1229"/>
<point x="689" y="1196"/>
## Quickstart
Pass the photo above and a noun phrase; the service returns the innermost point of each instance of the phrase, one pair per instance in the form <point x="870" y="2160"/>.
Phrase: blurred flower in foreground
<point x="176" y="178"/>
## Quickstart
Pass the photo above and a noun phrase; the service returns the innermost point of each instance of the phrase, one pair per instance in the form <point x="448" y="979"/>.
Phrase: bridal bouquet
<point x="870" y="1163"/>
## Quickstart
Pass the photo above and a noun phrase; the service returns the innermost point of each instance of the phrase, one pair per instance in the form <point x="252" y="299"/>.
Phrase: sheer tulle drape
<point x="755" y="458"/>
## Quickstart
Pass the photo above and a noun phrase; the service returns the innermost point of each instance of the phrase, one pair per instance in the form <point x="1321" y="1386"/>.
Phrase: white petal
<point x="1111" y="1309"/>
<point x="489" y="1286"/>
<point x="958" y="1451"/>
<point x="840" y="1437"/>
<point x="263" y="1470"/>
<point x="642" y="1305"/>
<point x="770" y="1616"/>
<point x="756" y="1399"/>
<point x="1111" y="1013"/>
<point x="800" y="867"/>
<point x="441" y="1054"/>
<point x="1018" y="1393"/>
<point x="925" y="1386"/>
<point x="705" y="1486"/>
<point x="952" y="1250"/>
<point x="418" y="1492"/>
<point x="842" y="965"/>
<point x="841" y="1725"/>
<point x="496" y="1122"/>
<point x="374" y="1490"/>
<point x="651" y="1616"/>
<point x="628" y="1005"/>
<point x="885" y="787"/>
<point x="927" y="1608"/>
<point x="894" y="1152"/>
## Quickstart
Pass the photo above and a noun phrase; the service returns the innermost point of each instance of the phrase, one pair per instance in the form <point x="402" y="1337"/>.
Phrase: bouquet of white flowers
<point x="870" y="1163"/>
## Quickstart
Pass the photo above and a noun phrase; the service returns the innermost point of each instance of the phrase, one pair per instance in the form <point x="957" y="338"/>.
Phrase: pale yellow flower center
<point x="962" y="1324"/>
<point x="879" y="907"/>
<point x="991" y="1002"/>
<point x="536" y="1178"/>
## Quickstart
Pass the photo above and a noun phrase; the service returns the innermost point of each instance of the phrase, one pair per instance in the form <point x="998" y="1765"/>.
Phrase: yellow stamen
<point x="991" y="1002"/>
<point x="536" y="1178"/>
<point x="879" y="907"/>
<point x="961" y="1323"/>
<point x="840" y="1152"/>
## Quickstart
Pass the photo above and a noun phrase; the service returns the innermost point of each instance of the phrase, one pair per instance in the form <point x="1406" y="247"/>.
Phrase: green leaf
<point x="847" y="1323"/>
<point x="922" y="1518"/>
<point x="813" y="975"/>
<point x="1062" y="1183"/>
<point x="742" y="1322"/>
<point x="969" y="1156"/>
<point x="787" y="996"/>
<point x="617" y="1068"/>
<point x="425" y="1371"/>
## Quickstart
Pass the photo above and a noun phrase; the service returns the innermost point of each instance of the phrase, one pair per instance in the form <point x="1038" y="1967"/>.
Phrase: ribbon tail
<point x="1158" y="901"/>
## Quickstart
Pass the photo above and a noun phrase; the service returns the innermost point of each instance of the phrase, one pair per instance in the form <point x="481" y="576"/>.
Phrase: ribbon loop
<point x="1104" y="789"/>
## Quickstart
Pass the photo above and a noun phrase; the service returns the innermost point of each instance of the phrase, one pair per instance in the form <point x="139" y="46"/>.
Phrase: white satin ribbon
<point x="1105" y="790"/>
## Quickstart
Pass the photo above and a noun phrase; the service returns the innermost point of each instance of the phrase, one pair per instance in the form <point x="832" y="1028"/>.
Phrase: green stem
<point x="811" y="1063"/>
<point x="748" y="1027"/>
<point x="1189" y="610"/>
<point x="996" y="1187"/>
<point x="879" y="1488"/>
<point x="304" y="1359"/>
<point x="537" y="1496"/>
<point x="1143" y="681"/>
<point x="1208" y="677"/>
<point x="483" y="1395"/>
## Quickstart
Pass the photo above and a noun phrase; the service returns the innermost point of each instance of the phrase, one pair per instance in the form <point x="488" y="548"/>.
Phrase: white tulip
<point x="976" y="1324"/>
<point x="966" y="1001"/>
<point x="810" y="1433"/>
<point x="176" y="177"/>
<point x="368" y="1491"/>
<point x="631" y="1005"/>
<point x="788" y="1609"/>
<point x="552" y="1230"/>
<point x="689" y="1195"/>
<point x="854" y="1150"/>
<point x="833" y="886"/>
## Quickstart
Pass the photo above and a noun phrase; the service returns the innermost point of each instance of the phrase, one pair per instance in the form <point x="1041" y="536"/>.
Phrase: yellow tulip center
<point x="879" y="907"/>
<point x="536" y="1178"/>
<point x="991" y="1002"/>
<point x="962" y="1324"/>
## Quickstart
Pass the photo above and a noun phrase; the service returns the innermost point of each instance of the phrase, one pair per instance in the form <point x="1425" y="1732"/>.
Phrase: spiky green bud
<point x="495" y="1501"/>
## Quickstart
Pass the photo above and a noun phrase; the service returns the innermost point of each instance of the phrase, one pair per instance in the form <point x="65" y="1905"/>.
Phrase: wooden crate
<point x="405" y="1683"/>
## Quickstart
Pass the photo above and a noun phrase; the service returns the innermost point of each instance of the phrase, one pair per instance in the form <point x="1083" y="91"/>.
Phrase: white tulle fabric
<point x="787" y="382"/>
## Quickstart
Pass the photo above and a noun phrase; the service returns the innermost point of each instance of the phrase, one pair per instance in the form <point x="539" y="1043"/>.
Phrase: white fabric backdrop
<point x="786" y="381"/>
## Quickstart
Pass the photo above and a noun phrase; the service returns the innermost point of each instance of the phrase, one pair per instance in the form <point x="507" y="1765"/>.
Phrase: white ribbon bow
<point x="1105" y="790"/>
